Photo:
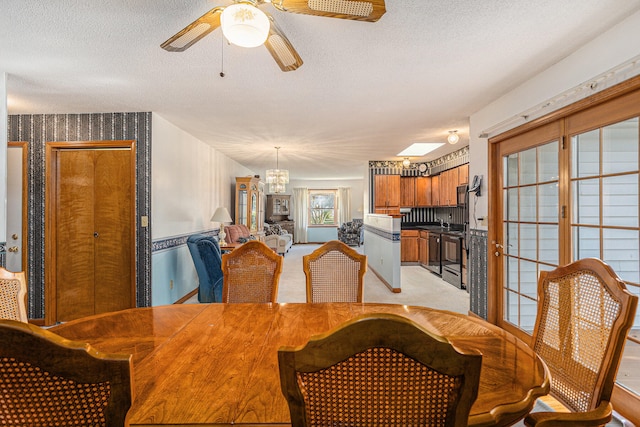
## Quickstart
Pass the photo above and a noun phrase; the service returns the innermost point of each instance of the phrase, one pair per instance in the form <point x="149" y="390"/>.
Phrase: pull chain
<point x="222" y="57"/>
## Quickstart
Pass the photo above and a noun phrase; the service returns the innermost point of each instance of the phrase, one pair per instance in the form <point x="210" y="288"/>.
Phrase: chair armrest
<point x="598" y="417"/>
<point x="286" y="236"/>
<point x="271" y="238"/>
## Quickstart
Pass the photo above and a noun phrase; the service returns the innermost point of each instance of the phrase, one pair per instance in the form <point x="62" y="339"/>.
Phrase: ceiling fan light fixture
<point x="244" y="25"/>
<point x="453" y="137"/>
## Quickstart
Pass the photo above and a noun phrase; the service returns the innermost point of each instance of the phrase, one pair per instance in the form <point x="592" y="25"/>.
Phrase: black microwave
<point x="463" y="191"/>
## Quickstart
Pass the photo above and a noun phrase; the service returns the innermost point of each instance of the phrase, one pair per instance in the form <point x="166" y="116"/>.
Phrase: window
<point x="323" y="209"/>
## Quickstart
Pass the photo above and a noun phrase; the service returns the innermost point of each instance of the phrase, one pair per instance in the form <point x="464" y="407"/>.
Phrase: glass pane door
<point x="605" y="218"/>
<point x="530" y="227"/>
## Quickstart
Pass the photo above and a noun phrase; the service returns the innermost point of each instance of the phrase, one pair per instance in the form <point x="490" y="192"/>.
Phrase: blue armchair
<point x="205" y="252"/>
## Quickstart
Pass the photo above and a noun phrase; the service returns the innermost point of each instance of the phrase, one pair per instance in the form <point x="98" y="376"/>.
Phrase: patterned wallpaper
<point x="37" y="129"/>
<point x="477" y="267"/>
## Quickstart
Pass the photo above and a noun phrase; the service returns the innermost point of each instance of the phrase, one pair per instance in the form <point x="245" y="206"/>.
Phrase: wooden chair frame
<point x="62" y="371"/>
<point x="565" y="290"/>
<point x="334" y="246"/>
<point x="251" y="274"/>
<point x="343" y="345"/>
<point x="13" y="296"/>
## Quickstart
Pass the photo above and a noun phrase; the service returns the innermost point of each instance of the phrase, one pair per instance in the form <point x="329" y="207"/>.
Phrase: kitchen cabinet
<point x="463" y="174"/>
<point x="409" y="245"/>
<point x="387" y="194"/>
<point x="250" y="204"/>
<point x="423" y="248"/>
<point x="423" y="191"/>
<point x="408" y="191"/>
<point x="435" y="190"/>
<point x="448" y="184"/>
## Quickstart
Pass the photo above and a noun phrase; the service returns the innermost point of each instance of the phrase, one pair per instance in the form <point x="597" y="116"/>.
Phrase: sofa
<point x="351" y="232"/>
<point x="277" y="239"/>
<point x="237" y="233"/>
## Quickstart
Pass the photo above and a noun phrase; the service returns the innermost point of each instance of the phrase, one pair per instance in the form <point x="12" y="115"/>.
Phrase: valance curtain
<point x="300" y="202"/>
<point x="344" y="204"/>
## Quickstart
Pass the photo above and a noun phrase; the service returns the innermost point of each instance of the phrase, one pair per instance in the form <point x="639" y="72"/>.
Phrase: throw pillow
<point x="270" y="229"/>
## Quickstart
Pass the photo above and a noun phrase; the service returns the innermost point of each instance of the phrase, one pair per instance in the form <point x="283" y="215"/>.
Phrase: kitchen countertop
<point x="455" y="229"/>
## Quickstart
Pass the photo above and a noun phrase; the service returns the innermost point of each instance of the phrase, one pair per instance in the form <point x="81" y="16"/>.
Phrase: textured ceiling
<point x="364" y="92"/>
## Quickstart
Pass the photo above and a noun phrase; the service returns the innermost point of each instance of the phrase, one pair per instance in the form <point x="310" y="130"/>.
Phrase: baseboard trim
<point x="391" y="288"/>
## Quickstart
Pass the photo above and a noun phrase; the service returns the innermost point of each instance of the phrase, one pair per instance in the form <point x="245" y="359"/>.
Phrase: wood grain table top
<point x="216" y="364"/>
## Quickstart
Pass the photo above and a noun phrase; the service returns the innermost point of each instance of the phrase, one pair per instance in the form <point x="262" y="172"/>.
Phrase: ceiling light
<point x="277" y="178"/>
<point x="418" y="149"/>
<point x="453" y="137"/>
<point x="244" y="25"/>
<point x="406" y="162"/>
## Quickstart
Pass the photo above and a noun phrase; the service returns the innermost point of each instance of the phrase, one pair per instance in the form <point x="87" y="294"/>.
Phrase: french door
<point x="562" y="191"/>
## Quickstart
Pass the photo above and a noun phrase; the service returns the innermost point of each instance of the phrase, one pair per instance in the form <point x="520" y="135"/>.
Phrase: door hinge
<point x="563" y="143"/>
<point x="563" y="211"/>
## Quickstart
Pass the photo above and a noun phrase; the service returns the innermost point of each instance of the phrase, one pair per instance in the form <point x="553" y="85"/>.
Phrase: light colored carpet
<point x="419" y="286"/>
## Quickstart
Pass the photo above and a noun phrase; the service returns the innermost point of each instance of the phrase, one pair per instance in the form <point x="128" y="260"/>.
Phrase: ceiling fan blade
<point x="194" y="31"/>
<point x="360" y="10"/>
<point x="281" y="48"/>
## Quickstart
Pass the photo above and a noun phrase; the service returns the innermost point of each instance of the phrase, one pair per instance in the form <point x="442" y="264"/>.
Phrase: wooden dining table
<point x="216" y="364"/>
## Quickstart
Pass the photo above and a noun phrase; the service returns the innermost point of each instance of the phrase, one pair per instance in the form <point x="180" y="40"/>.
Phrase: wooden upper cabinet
<point x="445" y="187"/>
<point x="387" y="192"/>
<point x="423" y="191"/>
<point x="435" y="190"/>
<point x="449" y="181"/>
<point x="408" y="191"/>
<point x="463" y="174"/>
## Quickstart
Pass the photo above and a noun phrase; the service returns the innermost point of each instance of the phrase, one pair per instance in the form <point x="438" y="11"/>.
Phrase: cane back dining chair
<point x="47" y="380"/>
<point x="13" y="295"/>
<point x="251" y="274"/>
<point x="584" y="315"/>
<point x="334" y="273"/>
<point x="379" y="369"/>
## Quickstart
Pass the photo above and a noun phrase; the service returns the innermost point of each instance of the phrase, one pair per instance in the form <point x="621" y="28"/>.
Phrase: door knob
<point x="14" y="236"/>
<point x="95" y="234"/>
<point x="13" y="249"/>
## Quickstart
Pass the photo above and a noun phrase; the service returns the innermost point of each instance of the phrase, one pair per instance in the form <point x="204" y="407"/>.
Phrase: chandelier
<point x="277" y="178"/>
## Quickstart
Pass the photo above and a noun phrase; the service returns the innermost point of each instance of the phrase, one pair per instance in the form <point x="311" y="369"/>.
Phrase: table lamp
<point x="222" y="216"/>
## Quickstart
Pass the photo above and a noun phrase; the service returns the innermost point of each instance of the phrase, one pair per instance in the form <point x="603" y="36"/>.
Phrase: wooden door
<point x="16" y="257"/>
<point x="91" y="232"/>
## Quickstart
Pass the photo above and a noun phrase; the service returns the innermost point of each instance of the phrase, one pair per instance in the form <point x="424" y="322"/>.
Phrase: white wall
<point x="3" y="156"/>
<point x="612" y="48"/>
<point x="189" y="181"/>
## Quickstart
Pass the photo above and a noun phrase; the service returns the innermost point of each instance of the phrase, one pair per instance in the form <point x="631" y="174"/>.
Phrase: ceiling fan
<point x="244" y="19"/>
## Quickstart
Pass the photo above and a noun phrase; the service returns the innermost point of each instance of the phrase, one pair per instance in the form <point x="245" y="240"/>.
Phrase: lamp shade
<point x="244" y="25"/>
<point x="221" y="215"/>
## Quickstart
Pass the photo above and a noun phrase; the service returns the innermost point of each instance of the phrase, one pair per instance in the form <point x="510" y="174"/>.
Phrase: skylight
<point x="418" y="149"/>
